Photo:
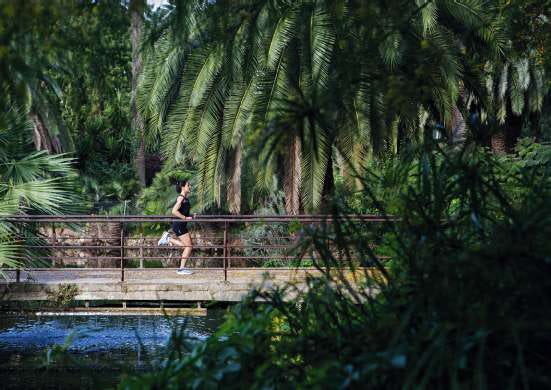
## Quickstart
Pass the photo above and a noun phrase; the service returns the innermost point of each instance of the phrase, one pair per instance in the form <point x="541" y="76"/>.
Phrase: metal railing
<point x="220" y="242"/>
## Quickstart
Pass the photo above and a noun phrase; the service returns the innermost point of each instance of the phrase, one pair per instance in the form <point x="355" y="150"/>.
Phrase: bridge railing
<point x="224" y="242"/>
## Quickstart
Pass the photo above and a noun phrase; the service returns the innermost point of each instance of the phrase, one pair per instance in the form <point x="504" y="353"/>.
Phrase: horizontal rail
<point x="173" y="247"/>
<point x="115" y="269"/>
<point x="81" y="248"/>
<point x="161" y="257"/>
<point x="200" y="236"/>
<point x="176" y="258"/>
<point x="141" y="238"/>
<point x="198" y="218"/>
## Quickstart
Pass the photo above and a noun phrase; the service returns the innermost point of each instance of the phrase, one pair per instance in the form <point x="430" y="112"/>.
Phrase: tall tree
<point x="28" y="54"/>
<point x="338" y="75"/>
<point x="136" y="9"/>
<point x="516" y="89"/>
<point x="516" y="85"/>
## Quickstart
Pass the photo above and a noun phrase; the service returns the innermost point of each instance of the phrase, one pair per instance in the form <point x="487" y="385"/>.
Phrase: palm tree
<point x="136" y="9"/>
<point x="31" y="87"/>
<point x="25" y="68"/>
<point x="30" y="182"/>
<point x="515" y="88"/>
<point x="317" y="76"/>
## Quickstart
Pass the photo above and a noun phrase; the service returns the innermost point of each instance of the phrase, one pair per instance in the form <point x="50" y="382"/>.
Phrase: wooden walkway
<point x="151" y="284"/>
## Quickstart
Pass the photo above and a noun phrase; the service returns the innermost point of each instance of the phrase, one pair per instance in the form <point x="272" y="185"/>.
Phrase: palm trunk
<point x="234" y="184"/>
<point x="457" y="127"/>
<point x="110" y="235"/>
<point x="41" y="136"/>
<point x="504" y="138"/>
<point x="328" y="185"/>
<point x="498" y="142"/>
<point x="393" y="136"/>
<point x="291" y="179"/>
<point x="535" y="117"/>
<point x="138" y="128"/>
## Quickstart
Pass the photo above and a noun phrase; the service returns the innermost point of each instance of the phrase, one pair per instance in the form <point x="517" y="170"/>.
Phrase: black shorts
<point x="180" y="228"/>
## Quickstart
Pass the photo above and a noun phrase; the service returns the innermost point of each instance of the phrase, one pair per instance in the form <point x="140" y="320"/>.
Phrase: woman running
<point x="183" y="237"/>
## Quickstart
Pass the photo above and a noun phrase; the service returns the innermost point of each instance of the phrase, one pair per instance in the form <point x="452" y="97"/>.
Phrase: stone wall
<point x="97" y="245"/>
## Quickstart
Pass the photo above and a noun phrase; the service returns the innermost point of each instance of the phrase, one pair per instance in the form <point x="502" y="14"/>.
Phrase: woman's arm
<point x="176" y="209"/>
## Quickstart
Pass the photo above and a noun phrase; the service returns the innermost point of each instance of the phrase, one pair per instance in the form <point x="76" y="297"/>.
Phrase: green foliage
<point x="106" y="184"/>
<point x="28" y="52"/>
<point x="96" y="109"/>
<point x="71" y="75"/>
<point x="30" y="183"/>
<point x="306" y="69"/>
<point x="57" y="354"/>
<point x="135" y="263"/>
<point x="465" y="303"/>
<point x="267" y="234"/>
<point x="96" y="83"/>
<point x="63" y="295"/>
<point x="161" y="195"/>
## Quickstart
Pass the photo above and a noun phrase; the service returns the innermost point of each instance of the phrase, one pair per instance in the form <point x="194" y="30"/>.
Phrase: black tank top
<point x="185" y="207"/>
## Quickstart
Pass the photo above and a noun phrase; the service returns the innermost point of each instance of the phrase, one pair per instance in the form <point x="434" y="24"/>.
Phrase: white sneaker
<point x="183" y="271"/>
<point x="165" y="239"/>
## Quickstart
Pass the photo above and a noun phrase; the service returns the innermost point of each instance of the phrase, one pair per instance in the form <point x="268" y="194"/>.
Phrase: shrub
<point x="466" y="302"/>
<point x="63" y="295"/>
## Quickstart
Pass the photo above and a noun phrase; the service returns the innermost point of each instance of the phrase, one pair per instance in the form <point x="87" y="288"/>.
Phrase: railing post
<point x="18" y="275"/>
<point x="225" y="251"/>
<point x="53" y="240"/>
<point x="142" y="239"/>
<point x="122" y="252"/>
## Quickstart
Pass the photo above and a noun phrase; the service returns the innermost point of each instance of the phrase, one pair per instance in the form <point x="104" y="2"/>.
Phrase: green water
<point x="102" y="348"/>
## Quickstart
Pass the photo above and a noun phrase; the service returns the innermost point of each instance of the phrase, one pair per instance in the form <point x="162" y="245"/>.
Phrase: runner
<point x="183" y="236"/>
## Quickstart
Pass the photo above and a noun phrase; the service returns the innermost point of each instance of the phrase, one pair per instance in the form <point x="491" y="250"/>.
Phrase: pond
<point x="102" y="348"/>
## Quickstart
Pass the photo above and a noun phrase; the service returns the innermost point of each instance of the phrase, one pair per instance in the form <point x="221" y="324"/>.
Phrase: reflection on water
<point x="102" y="347"/>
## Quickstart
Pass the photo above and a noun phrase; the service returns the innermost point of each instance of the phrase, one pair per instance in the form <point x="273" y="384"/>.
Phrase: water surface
<point x="101" y="348"/>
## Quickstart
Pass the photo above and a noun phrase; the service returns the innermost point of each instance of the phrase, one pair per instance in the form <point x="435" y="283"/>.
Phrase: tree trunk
<point x="234" y="184"/>
<point x="328" y="185"/>
<point x="110" y="235"/>
<point x="535" y="117"/>
<point x="498" y="142"/>
<point x="457" y="127"/>
<point x="292" y="176"/>
<point x="41" y="136"/>
<point x="138" y="129"/>
<point x="505" y="137"/>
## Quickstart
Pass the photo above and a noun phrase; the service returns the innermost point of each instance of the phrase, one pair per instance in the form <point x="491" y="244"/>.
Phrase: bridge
<point x="92" y="258"/>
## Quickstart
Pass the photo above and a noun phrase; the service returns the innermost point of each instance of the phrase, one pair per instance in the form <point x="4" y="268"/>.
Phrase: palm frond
<point x="285" y="30"/>
<point x="322" y="35"/>
<point x="517" y="92"/>
<point x="538" y="89"/>
<point x="429" y="15"/>
<point x="201" y="71"/>
<point x="238" y="109"/>
<point x="314" y="166"/>
<point x="210" y="153"/>
<point x="391" y="50"/>
<point x="33" y="166"/>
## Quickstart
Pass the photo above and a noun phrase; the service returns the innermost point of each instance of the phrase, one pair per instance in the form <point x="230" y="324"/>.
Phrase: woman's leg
<point x="175" y="242"/>
<point x="186" y="242"/>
